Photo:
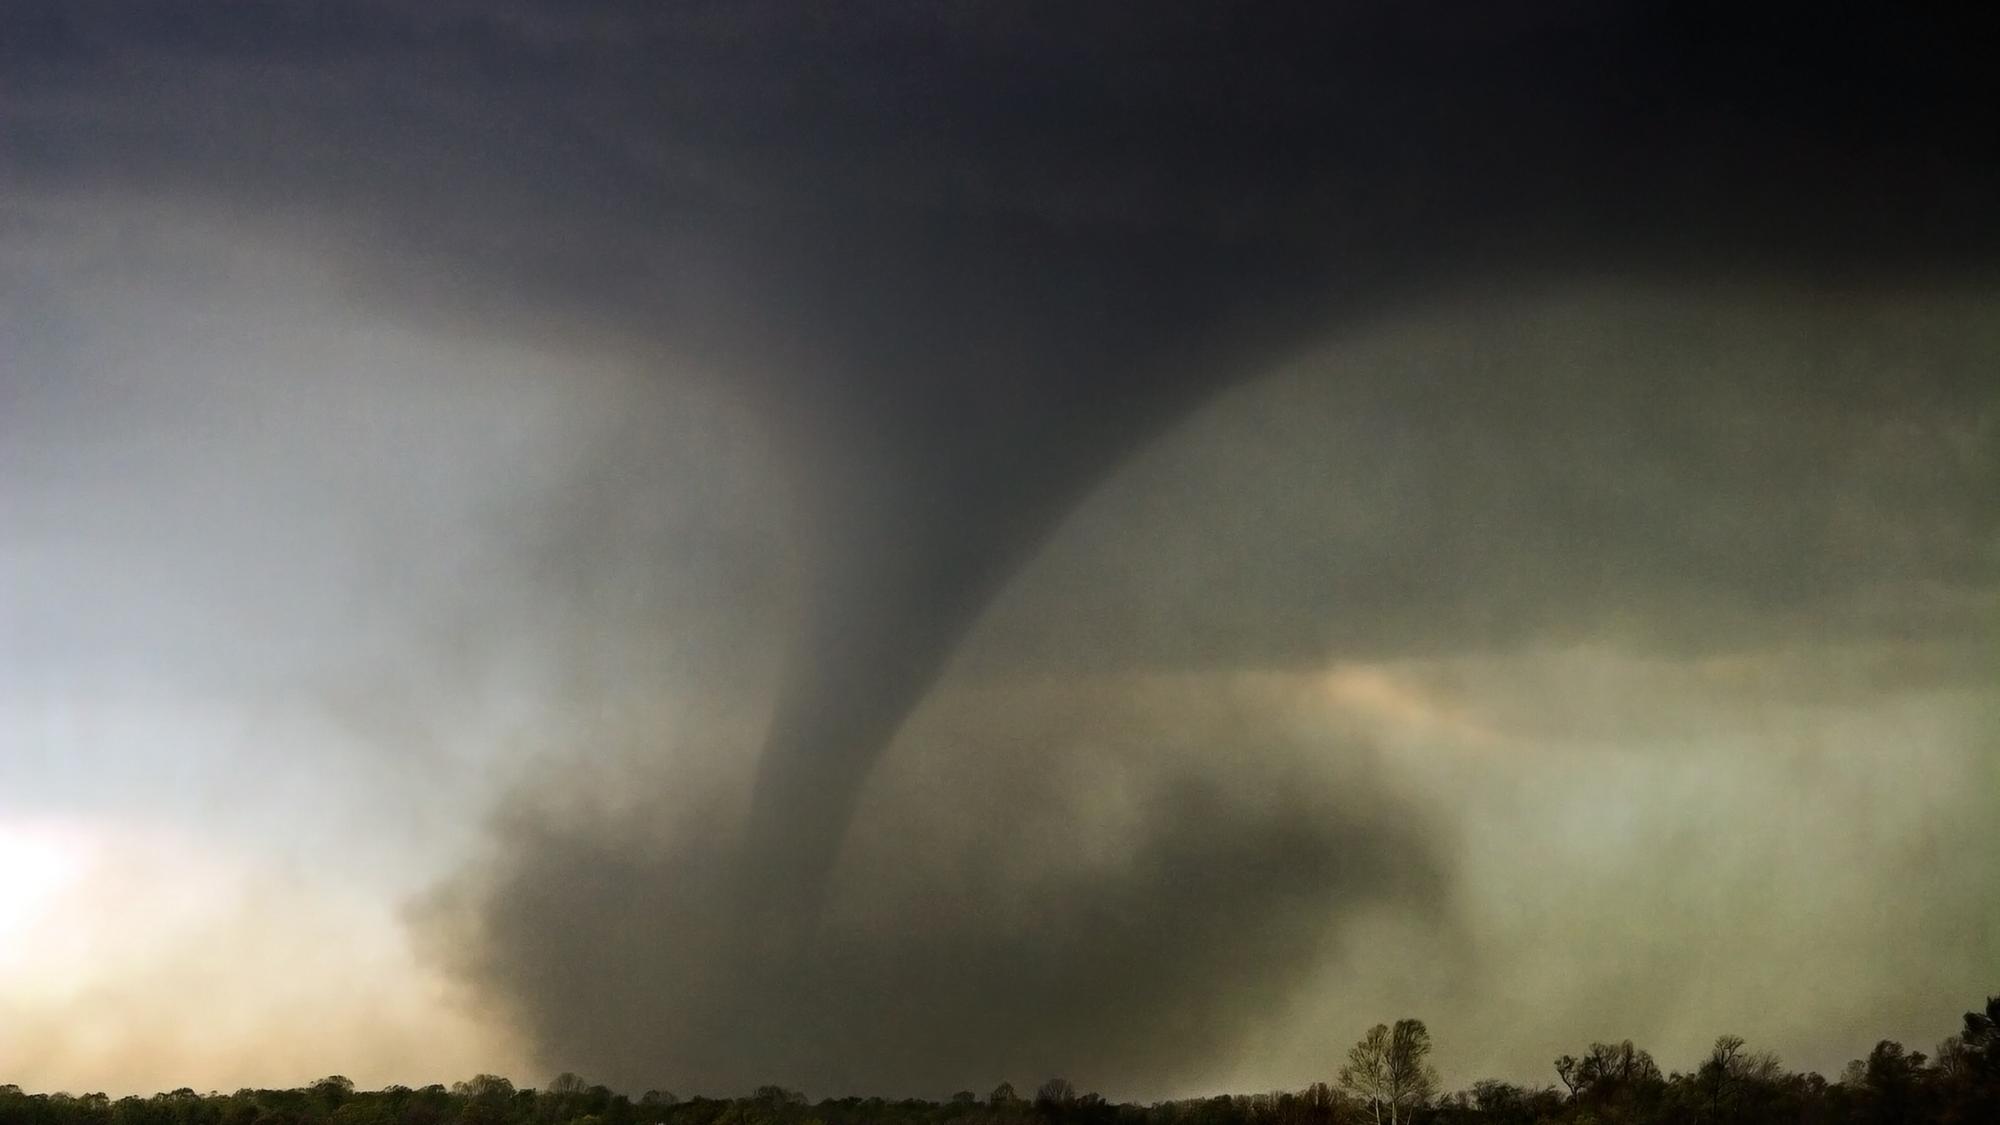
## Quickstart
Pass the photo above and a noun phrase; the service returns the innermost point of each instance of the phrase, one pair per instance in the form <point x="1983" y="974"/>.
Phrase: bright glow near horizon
<point x="134" y="960"/>
<point x="39" y="862"/>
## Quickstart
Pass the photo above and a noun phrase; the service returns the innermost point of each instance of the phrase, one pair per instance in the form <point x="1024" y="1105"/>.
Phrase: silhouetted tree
<point x="1969" y="1069"/>
<point x="1504" y="1103"/>
<point x="1731" y="1079"/>
<point x="1055" y="1095"/>
<point x="329" y="1091"/>
<point x="485" y="1087"/>
<point x="1318" y="1103"/>
<point x="1893" y="1085"/>
<point x="1609" y="1084"/>
<point x="1613" y="1079"/>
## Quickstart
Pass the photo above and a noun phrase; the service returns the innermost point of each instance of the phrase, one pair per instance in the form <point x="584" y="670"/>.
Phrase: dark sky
<point x="888" y="548"/>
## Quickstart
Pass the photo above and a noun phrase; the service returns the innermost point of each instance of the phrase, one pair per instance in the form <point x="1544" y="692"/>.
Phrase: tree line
<point x="1386" y="1079"/>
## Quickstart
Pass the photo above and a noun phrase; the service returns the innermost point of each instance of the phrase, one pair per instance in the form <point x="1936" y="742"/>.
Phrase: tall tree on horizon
<point x="1389" y="1066"/>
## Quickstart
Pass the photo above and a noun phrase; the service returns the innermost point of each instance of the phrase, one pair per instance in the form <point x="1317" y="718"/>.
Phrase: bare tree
<point x="1388" y="1067"/>
<point x="1606" y="1069"/>
<point x="1728" y="1070"/>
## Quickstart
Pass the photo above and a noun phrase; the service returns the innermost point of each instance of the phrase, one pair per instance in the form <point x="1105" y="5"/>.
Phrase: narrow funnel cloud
<point x="1005" y="378"/>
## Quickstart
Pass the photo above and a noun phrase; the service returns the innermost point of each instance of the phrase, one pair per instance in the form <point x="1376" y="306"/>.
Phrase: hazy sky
<point x="1155" y="561"/>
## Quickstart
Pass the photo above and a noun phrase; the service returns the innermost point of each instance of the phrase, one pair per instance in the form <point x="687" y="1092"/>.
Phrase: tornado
<point x="1003" y="373"/>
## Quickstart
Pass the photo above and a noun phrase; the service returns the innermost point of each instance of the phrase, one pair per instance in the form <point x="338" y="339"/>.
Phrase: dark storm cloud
<point x="1689" y="476"/>
<point x="966" y="259"/>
